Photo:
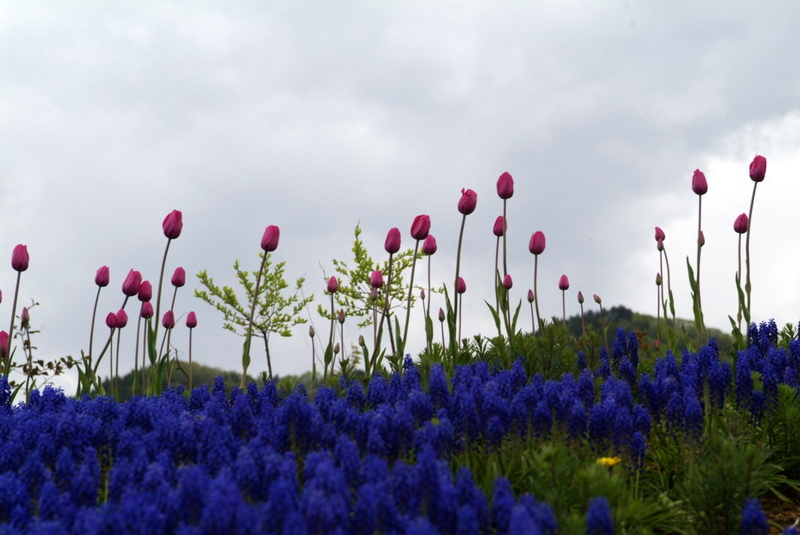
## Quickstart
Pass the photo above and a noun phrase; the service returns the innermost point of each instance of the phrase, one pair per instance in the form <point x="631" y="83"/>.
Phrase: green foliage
<point x="275" y="313"/>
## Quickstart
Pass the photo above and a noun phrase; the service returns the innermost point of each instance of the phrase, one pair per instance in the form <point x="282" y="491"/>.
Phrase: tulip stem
<point x="387" y="294"/>
<point x="747" y="286"/>
<point x="7" y="363"/>
<point x="248" y="337"/>
<point x="497" y="279"/>
<point x="536" y="292"/>
<point x="410" y="289"/>
<point x="458" y="268"/>
<point x="94" y="318"/>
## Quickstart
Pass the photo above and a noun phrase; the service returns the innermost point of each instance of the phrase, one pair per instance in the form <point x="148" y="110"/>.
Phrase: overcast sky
<point x="315" y="116"/>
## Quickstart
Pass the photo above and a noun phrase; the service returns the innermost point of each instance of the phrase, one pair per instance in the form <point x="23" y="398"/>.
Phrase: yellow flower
<point x="609" y="461"/>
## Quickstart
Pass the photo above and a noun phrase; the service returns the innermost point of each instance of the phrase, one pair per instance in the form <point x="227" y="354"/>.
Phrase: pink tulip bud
<point x="741" y="224"/>
<point x="656" y="344"/>
<point x="269" y="241"/>
<point x="429" y="245"/>
<point x="311" y="331"/>
<point x="25" y="317"/>
<point x="145" y="291"/>
<point x="376" y="279"/>
<point x="130" y="286"/>
<point x="702" y="239"/>
<point x="173" y="224"/>
<point x="467" y="202"/>
<point x="147" y="310"/>
<point x="111" y="320"/>
<point x="122" y="318"/>
<point x="658" y="279"/>
<point x="699" y="184"/>
<point x="563" y="283"/>
<point x="333" y="285"/>
<point x="168" y="321"/>
<point x="499" y="226"/>
<point x="3" y="345"/>
<point x="422" y="294"/>
<point x="580" y="298"/>
<point x="392" y="244"/>
<point x="341" y="316"/>
<point x="597" y="299"/>
<point x="420" y="227"/>
<point x="19" y="258"/>
<point x="461" y="286"/>
<point x="758" y="168"/>
<point x="505" y="186"/>
<point x="179" y="277"/>
<point x="1" y="296"/>
<point x="507" y="282"/>
<point x="531" y="297"/>
<point x="441" y="316"/>
<point x="537" y="244"/>
<point x="191" y="320"/>
<point x="102" y="277"/>
<point x="660" y="236"/>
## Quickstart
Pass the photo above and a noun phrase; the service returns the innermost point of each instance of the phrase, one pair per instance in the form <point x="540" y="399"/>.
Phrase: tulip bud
<point x="173" y="224"/>
<point x="145" y="291"/>
<point x="130" y="286"/>
<point x="658" y="279"/>
<point x="311" y="331"/>
<point x="122" y="318"/>
<point x="499" y="226"/>
<point x="191" y="320"/>
<point x="505" y="186"/>
<point x="467" y="202"/>
<point x="147" y="310"/>
<point x="373" y="294"/>
<point x="429" y="245"/>
<point x="420" y="227"/>
<point x="1" y="296"/>
<point x="102" y="277"/>
<point x="422" y="294"/>
<point x="699" y="184"/>
<point x="507" y="282"/>
<point x="111" y="320"/>
<point x="597" y="299"/>
<point x="269" y="241"/>
<point x="461" y="286"/>
<point x="660" y="236"/>
<point x="3" y="345"/>
<point x="168" y="321"/>
<point x="333" y="285"/>
<point x="531" y="297"/>
<point x="336" y="349"/>
<point x="656" y="344"/>
<point x="376" y="279"/>
<point x="563" y="283"/>
<point x="580" y="298"/>
<point x="341" y="316"/>
<point x="392" y="244"/>
<point x="660" y="245"/>
<point x="758" y="168"/>
<point x="361" y="340"/>
<point x="19" y="258"/>
<point x="741" y="224"/>
<point x="537" y="244"/>
<point x="702" y="239"/>
<point x="179" y="277"/>
<point x="441" y="315"/>
<point x="25" y="318"/>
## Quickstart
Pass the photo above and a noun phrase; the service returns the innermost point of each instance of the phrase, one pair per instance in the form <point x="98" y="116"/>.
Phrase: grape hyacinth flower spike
<point x="269" y="243"/>
<point x="19" y="262"/>
<point x="419" y="231"/>
<point x="536" y="246"/>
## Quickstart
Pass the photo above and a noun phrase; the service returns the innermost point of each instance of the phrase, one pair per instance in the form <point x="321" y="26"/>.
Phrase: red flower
<point x="758" y="168"/>
<point x="102" y="277"/>
<point x="173" y="224"/>
<point x="145" y="291"/>
<point x="467" y="202"/>
<point x="168" y="321"/>
<point x="563" y="283"/>
<point x="333" y="285"/>
<point x="699" y="184"/>
<point x="429" y="245"/>
<point x="537" y="243"/>
<point x="191" y="320"/>
<point x="111" y="320"/>
<point x="741" y="224"/>
<point x="19" y="258"/>
<point x="420" y="227"/>
<point x="392" y="244"/>
<point x="122" y="318"/>
<point x="660" y="236"/>
<point x="147" y="310"/>
<point x="269" y="241"/>
<point x="3" y="344"/>
<point x="507" y="282"/>
<point x="179" y="277"/>
<point x="132" y="282"/>
<point x="505" y="186"/>
<point x="376" y="279"/>
<point x="461" y="286"/>
<point x="499" y="226"/>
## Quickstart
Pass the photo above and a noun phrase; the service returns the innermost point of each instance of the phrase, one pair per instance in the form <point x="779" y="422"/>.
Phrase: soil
<point x="780" y="512"/>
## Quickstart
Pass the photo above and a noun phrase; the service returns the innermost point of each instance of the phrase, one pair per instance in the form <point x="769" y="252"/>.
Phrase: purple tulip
<point x="130" y="286"/>
<point x="507" y="282"/>
<point x="499" y="226"/>
<point x="269" y="241"/>
<point x="537" y="244"/>
<point x="699" y="184"/>
<point x="122" y="318"/>
<point x="467" y="202"/>
<point x="147" y="310"/>
<point x="3" y="345"/>
<point x="660" y="236"/>
<point x="168" y="321"/>
<point x="376" y="279"/>
<point x="145" y="291"/>
<point x="341" y="315"/>
<point x="102" y="277"/>
<point x="191" y="320"/>
<point x="531" y="297"/>
<point x="420" y="227"/>
<point x="111" y="320"/>
<point x="25" y="317"/>
<point x="179" y="277"/>
<point x="741" y="223"/>
<point x="758" y="168"/>
<point x="429" y="245"/>
<point x="505" y="186"/>
<point x="461" y="286"/>
<point x="563" y="283"/>
<point x="173" y="224"/>
<point x="580" y="297"/>
<point x="392" y="244"/>
<point x="597" y="299"/>
<point x="333" y="285"/>
<point x="19" y="258"/>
